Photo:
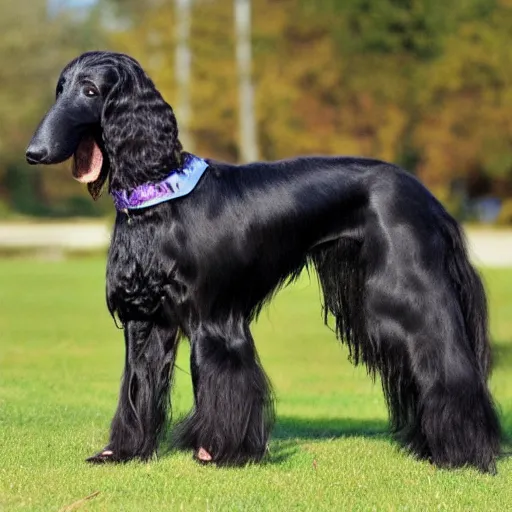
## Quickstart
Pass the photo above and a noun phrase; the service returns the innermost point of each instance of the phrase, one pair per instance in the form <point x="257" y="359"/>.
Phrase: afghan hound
<point x="199" y="246"/>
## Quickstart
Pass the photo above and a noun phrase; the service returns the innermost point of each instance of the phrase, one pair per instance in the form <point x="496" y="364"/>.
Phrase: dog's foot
<point x="203" y="457"/>
<point x="103" y="457"/>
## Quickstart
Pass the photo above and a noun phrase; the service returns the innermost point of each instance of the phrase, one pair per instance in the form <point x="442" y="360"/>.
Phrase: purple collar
<point x="179" y="183"/>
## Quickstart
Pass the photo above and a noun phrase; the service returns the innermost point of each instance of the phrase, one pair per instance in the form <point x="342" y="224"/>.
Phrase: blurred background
<point x="426" y="84"/>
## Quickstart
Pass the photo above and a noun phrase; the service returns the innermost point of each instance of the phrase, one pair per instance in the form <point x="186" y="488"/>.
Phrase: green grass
<point x="61" y="359"/>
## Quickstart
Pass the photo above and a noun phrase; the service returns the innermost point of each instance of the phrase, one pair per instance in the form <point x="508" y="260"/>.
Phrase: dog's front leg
<point x="142" y="409"/>
<point x="233" y="412"/>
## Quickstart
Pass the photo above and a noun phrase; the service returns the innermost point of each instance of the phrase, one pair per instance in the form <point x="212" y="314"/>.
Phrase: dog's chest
<point x="135" y="276"/>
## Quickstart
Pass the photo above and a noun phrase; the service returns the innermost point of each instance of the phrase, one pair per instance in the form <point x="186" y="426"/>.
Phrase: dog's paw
<point x="203" y="457"/>
<point x="103" y="457"/>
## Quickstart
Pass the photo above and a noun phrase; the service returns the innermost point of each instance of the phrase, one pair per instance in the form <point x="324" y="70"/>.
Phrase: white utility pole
<point x="182" y="70"/>
<point x="247" y="123"/>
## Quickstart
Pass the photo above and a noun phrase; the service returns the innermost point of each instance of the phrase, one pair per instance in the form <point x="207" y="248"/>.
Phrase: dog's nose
<point x="36" y="155"/>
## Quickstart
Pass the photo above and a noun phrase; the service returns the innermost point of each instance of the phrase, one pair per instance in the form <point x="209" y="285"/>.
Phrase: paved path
<point x="75" y="236"/>
<point x="492" y="248"/>
<point x="487" y="247"/>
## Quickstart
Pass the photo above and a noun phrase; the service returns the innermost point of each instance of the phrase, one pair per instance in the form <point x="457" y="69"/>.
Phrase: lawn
<point x="60" y="362"/>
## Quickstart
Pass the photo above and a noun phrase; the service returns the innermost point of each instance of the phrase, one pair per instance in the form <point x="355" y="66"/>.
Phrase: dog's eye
<point x="90" y="91"/>
<point x="59" y="90"/>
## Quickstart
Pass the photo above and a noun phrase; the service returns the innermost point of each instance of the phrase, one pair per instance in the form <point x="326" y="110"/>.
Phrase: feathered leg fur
<point x="233" y="413"/>
<point x="143" y="401"/>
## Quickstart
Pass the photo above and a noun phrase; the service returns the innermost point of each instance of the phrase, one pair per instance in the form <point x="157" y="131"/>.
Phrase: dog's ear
<point x="116" y="91"/>
<point x="140" y="131"/>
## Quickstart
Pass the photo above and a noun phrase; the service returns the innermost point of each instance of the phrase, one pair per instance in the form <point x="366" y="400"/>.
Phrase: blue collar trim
<point x="179" y="183"/>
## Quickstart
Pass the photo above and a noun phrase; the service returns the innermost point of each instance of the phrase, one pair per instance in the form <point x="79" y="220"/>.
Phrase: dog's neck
<point x="125" y="174"/>
<point x="177" y="183"/>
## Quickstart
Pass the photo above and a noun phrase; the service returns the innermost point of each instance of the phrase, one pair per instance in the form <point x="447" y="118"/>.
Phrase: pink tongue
<point x="88" y="161"/>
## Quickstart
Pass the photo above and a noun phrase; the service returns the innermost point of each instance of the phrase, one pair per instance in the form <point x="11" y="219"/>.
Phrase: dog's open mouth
<point x="88" y="165"/>
<point x="88" y="160"/>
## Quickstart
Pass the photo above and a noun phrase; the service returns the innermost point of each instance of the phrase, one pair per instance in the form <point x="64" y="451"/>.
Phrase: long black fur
<point x="391" y="262"/>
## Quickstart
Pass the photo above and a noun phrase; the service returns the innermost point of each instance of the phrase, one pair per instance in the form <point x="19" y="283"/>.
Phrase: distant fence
<point x="487" y="247"/>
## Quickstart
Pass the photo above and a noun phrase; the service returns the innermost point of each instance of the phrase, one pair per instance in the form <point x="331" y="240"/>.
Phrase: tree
<point x="248" y="148"/>
<point x="34" y="47"/>
<point x="182" y="66"/>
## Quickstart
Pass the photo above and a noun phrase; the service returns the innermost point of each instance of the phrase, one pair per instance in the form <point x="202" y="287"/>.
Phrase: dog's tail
<point x="469" y="290"/>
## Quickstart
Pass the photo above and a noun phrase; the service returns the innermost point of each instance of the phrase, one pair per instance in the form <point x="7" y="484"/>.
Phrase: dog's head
<point x="109" y="116"/>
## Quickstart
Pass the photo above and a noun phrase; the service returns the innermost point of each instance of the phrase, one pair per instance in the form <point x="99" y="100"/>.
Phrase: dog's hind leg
<point x="429" y="344"/>
<point x="411" y="308"/>
<point x="233" y="413"/>
<point x="142" y="409"/>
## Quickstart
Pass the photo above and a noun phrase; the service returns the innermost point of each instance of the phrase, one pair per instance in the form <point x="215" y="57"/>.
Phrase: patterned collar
<point x="179" y="183"/>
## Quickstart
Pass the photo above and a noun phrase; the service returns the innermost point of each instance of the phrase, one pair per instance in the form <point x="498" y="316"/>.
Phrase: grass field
<point x="60" y="362"/>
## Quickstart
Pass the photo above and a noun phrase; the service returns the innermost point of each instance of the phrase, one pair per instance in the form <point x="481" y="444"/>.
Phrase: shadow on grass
<point x="290" y="431"/>
<point x="289" y="427"/>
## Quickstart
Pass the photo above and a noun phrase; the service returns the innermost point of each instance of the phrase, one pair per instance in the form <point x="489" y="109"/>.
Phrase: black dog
<point x="391" y="263"/>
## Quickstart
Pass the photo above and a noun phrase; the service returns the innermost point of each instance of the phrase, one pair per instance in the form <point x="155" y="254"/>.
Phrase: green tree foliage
<point x="35" y="44"/>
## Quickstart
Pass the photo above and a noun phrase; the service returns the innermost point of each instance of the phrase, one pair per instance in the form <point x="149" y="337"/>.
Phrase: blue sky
<point x="72" y="3"/>
<point x="79" y="3"/>
<point x="54" y="6"/>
